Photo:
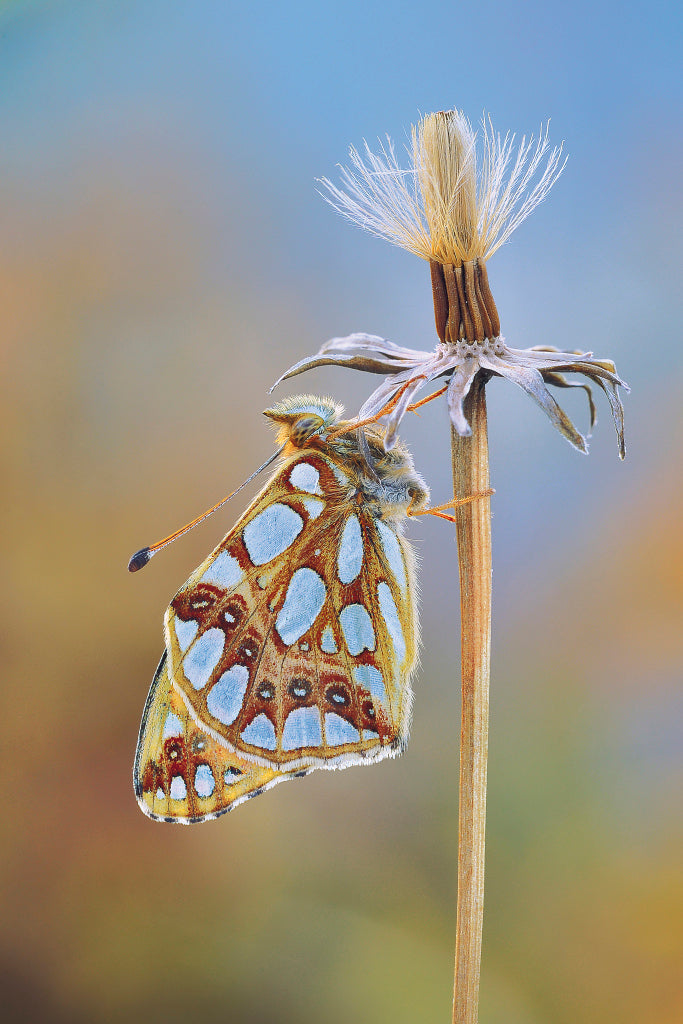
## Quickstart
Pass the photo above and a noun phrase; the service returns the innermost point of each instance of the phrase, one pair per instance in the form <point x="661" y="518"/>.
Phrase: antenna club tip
<point x="140" y="559"/>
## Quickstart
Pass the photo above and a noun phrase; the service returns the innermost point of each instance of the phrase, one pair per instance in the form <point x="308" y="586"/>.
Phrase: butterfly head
<point x="302" y="417"/>
<point x="386" y="478"/>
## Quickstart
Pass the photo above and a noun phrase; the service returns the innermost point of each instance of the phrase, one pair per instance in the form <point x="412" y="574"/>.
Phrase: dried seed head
<point x="461" y="198"/>
<point x="445" y="159"/>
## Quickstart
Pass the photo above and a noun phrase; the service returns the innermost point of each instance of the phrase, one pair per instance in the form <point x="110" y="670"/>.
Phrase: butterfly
<point x="291" y="647"/>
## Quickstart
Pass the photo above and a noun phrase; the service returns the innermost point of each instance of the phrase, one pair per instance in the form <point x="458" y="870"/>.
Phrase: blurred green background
<point x="163" y="257"/>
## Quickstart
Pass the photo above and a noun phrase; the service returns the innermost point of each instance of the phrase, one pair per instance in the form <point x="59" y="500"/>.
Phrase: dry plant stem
<point x="473" y="530"/>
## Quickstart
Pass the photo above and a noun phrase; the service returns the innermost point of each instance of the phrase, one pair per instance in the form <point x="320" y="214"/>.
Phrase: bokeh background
<point x="163" y="257"/>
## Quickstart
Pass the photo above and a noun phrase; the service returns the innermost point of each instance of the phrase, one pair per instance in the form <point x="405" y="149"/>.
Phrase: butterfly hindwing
<point x="294" y="640"/>
<point x="182" y="774"/>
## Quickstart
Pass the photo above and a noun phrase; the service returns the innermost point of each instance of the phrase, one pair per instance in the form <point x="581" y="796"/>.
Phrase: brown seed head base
<point x="464" y="308"/>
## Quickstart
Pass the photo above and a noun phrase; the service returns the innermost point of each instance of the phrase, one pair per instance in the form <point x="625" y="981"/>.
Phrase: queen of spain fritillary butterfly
<point x="291" y="647"/>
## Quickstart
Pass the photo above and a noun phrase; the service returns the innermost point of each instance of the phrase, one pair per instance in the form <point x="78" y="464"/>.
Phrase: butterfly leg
<point x="438" y="510"/>
<point x="389" y="407"/>
<point x="429" y="398"/>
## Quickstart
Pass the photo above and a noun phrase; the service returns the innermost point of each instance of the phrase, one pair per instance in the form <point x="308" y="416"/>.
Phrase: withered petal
<point x="615" y="404"/>
<point x="383" y="394"/>
<point x="546" y="358"/>
<point x="395" y="417"/>
<point x="558" y="381"/>
<point x="367" y="352"/>
<point x="597" y="368"/>
<point x="531" y="381"/>
<point x="374" y="344"/>
<point x="458" y="388"/>
<point x="365" y="363"/>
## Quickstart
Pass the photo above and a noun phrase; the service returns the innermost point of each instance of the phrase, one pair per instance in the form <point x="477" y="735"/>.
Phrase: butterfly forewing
<point x="293" y="642"/>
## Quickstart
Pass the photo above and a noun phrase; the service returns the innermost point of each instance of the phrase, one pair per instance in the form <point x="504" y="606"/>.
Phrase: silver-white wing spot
<point x="225" y="699"/>
<point x="305" y="477"/>
<point x="393" y="623"/>
<point x="350" y="555"/>
<point x="357" y="628"/>
<point x="327" y="642"/>
<point x="271" y="532"/>
<point x="302" y="729"/>
<point x="260" y="733"/>
<point x="185" y="632"/>
<point x="203" y="657"/>
<point x="371" y="678"/>
<point x="394" y="556"/>
<point x="204" y="781"/>
<point x="313" y="506"/>
<point x="338" y="730"/>
<point x="178" y="788"/>
<point x="303" y="602"/>
<point x="172" y="726"/>
<point x="224" y="572"/>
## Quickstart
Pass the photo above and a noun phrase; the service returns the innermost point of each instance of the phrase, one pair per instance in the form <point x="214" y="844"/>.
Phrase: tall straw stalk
<point x="470" y="459"/>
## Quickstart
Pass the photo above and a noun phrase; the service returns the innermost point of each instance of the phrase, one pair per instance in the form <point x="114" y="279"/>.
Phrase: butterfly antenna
<point x="142" y="557"/>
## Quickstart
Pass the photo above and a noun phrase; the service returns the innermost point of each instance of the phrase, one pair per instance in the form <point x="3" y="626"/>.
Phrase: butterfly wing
<point x="293" y="642"/>
<point x="181" y="774"/>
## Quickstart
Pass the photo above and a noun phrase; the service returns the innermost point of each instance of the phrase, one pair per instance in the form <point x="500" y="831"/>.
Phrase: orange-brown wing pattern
<point x="293" y="642"/>
<point x="181" y="774"/>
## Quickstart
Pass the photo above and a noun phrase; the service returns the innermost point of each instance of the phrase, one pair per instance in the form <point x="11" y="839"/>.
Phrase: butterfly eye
<point x="266" y="691"/>
<point x="300" y="689"/>
<point x="231" y="775"/>
<point x="338" y="696"/>
<point x="199" y="743"/>
<point x="303" y="428"/>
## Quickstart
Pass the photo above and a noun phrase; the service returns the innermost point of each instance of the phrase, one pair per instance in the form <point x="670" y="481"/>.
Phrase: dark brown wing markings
<point x="158" y="761"/>
<point x="325" y="533"/>
<point x="361" y="697"/>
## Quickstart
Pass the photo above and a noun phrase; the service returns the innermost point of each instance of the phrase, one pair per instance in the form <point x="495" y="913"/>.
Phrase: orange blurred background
<point x="163" y="257"/>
